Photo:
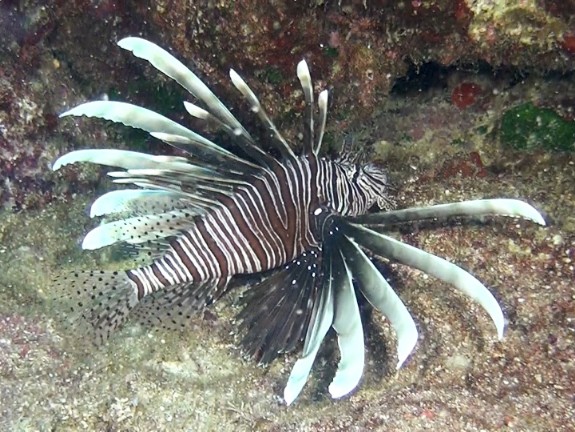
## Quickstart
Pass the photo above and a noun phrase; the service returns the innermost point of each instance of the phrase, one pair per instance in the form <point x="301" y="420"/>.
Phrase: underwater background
<point x="460" y="99"/>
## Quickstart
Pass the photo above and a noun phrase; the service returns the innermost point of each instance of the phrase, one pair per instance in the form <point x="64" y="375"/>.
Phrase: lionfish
<point x="301" y="220"/>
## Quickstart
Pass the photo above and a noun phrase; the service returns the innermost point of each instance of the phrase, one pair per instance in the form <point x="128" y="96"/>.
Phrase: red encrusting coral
<point x="467" y="165"/>
<point x="465" y="94"/>
<point x="462" y="12"/>
<point x="567" y="42"/>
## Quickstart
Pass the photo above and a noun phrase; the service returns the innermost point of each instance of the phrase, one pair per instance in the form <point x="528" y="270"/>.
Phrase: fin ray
<point x="320" y="322"/>
<point x="138" y="229"/>
<point x="473" y="208"/>
<point x="277" y="139"/>
<point x="101" y="299"/>
<point x="348" y="326"/>
<point x="307" y="87"/>
<point x="382" y="296"/>
<point x="136" y="202"/>
<point x="322" y="104"/>
<point x="277" y="310"/>
<point x="388" y="247"/>
<point x="175" y="69"/>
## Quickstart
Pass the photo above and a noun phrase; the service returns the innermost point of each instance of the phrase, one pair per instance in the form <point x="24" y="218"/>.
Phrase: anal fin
<point x="173" y="307"/>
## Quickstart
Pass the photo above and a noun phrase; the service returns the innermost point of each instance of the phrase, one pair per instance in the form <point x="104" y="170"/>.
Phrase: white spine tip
<point x="302" y="70"/>
<point x="401" y="359"/>
<point x="322" y="99"/>
<point x="94" y="240"/>
<point x="338" y="391"/>
<point x="236" y="79"/>
<point x="57" y="164"/>
<point x="128" y="43"/>
<point x="195" y="111"/>
<point x="124" y="43"/>
<point x="170" y="138"/>
<point x="538" y="218"/>
<point x="500" y="332"/>
<point x="160" y="135"/>
<point x="289" y="397"/>
<point x="405" y="348"/>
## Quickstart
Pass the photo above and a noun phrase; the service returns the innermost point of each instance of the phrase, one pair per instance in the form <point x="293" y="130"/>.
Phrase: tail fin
<point x="102" y="299"/>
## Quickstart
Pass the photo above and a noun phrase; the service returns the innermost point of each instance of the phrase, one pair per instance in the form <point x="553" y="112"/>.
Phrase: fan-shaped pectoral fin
<point x="347" y="324"/>
<point x="388" y="247"/>
<point x="474" y="209"/>
<point x="321" y="321"/>
<point x="381" y="296"/>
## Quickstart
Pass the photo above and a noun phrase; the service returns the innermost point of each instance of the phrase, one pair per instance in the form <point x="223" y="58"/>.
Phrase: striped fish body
<point x="268" y="221"/>
<point x="298" y="219"/>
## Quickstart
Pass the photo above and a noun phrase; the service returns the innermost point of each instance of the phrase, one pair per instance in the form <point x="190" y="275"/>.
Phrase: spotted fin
<point x="320" y="322"/>
<point x="138" y="229"/>
<point x="144" y="254"/>
<point x="173" y="307"/>
<point x="98" y="302"/>
<point x="137" y="202"/>
<point x="278" y="309"/>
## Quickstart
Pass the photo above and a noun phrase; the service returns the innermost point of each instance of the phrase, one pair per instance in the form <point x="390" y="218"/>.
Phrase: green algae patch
<point x="527" y="127"/>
